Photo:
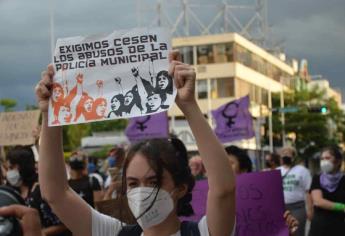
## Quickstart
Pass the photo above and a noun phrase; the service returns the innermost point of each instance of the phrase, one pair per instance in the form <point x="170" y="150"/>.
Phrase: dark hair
<point x="170" y="155"/>
<point x="163" y="98"/>
<point x="25" y="159"/>
<point x="121" y="99"/>
<point x="335" y="151"/>
<point x="169" y="88"/>
<point x="275" y="158"/>
<point x="135" y="101"/>
<point x="242" y="158"/>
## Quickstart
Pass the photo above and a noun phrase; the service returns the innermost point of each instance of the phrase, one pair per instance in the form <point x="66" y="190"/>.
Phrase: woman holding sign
<point x="157" y="180"/>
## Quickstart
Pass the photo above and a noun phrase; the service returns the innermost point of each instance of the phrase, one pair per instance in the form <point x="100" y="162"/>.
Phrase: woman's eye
<point x="132" y="184"/>
<point x="153" y="183"/>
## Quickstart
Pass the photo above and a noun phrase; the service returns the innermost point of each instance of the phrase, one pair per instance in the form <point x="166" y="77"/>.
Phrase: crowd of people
<point x="156" y="178"/>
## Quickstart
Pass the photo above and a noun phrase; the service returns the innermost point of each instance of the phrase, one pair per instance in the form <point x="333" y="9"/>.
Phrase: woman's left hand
<point x="184" y="78"/>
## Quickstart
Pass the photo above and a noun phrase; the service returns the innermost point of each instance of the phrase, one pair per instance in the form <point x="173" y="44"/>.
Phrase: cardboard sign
<point x="16" y="127"/>
<point x="120" y="75"/>
<point x="148" y="127"/>
<point x="234" y="121"/>
<point x="259" y="204"/>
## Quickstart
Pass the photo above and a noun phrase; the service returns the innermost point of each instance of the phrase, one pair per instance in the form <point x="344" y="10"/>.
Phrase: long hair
<point x="169" y="88"/>
<point x="121" y="109"/>
<point x="169" y="155"/>
<point x="96" y="103"/>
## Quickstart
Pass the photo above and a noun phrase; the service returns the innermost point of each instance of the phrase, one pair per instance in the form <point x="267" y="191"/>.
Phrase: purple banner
<point x="234" y="121"/>
<point x="148" y="127"/>
<point x="259" y="204"/>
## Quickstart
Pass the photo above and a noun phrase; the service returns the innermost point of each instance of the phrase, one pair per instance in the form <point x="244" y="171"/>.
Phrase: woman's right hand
<point x="43" y="89"/>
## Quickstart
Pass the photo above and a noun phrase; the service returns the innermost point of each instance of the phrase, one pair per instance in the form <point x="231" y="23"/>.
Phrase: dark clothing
<point x="327" y="222"/>
<point x="298" y="211"/>
<point x="85" y="187"/>
<point x="48" y="218"/>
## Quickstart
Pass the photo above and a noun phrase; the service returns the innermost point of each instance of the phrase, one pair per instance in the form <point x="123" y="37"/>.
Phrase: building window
<point x="222" y="88"/>
<point x="223" y="52"/>
<point x="205" y="54"/>
<point x="202" y="89"/>
<point x="187" y="54"/>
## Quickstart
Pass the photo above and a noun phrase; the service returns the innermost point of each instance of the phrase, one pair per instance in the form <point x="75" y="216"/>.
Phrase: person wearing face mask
<point x="328" y="195"/>
<point x="272" y="161"/>
<point x="87" y="187"/>
<point x="22" y="176"/>
<point x="156" y="177"/>
<point x="296" y="185"/>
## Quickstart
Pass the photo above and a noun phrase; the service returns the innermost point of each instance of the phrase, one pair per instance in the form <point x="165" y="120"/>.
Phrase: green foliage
<point x="8" y="104"/>
<point x="73" y="134"/>
<point x="312" y="130"/>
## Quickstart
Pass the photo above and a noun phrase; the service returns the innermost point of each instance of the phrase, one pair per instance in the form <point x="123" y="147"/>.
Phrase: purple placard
<point x="148" y="127"/>
<point x="234" y="121"/>
<point x="260" y="205"/>
<point x="199" y="201"/>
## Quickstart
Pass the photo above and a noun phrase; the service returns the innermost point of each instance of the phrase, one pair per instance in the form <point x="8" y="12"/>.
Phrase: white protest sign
<point x="120" y="75"/>
<point x="16" y="128"/>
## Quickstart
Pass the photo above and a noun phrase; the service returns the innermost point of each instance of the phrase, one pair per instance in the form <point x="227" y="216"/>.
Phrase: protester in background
<point x="242" y="164"/>
<point x="197" y="167"/>
<point x="296" y="185"/>
<point x="272" y="161"/>
<point x="328" y="195"/>
<point x="86" y="187"/>
<point x="92" y="170"/>
<point x="22" y="177"/>
<point x="239" y="159"/>
<point x="157" y="179"/>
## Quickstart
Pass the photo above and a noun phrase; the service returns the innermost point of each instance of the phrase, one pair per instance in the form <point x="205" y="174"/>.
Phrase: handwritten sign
<point x="259" y="204"/>
<point x="16" y="127"/>
<point x="120" y="75"/>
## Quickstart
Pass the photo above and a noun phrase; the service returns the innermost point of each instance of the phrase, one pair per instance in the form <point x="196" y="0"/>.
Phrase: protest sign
<point x="16" y="127"/>
<point x="148" y="127"/>
<point x="120" y="75"/>
<point x="199" y="201"/>
<point x="234" y="121"/>
<point x="259" y="204"/>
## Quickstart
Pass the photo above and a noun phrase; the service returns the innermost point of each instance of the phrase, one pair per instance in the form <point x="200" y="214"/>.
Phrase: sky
<point x="310" y="29"/>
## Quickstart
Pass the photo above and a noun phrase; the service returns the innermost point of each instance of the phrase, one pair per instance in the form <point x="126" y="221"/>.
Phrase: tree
<point x="8" y="104"/>
<point x="311" y="130"/>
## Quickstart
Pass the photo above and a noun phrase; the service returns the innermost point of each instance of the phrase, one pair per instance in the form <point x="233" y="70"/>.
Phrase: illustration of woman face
<point x="101" y="109"/>
<point x="115" y="104"/>
<point x="57" y="93"/>
<point x="65" y="112"/>
<point x="163" y="82"/>
<point x="154" y="102"/>
<point x="88" y="105"/>
<point x="128" y="98"/>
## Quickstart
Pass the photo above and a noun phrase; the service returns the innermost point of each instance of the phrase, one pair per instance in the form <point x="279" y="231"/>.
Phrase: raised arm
<point x="221" y="196"/>
<point x="52" y="172"/>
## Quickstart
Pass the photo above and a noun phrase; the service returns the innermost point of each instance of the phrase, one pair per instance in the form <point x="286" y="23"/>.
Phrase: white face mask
<point x="140" y="200"/>
<point x="326" y="166"/>
<point x="13" y="178"/>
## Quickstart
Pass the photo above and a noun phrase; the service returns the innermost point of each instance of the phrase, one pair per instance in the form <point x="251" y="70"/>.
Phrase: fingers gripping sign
<point x="44" y="87"/>
<point x="184" y="79"/>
